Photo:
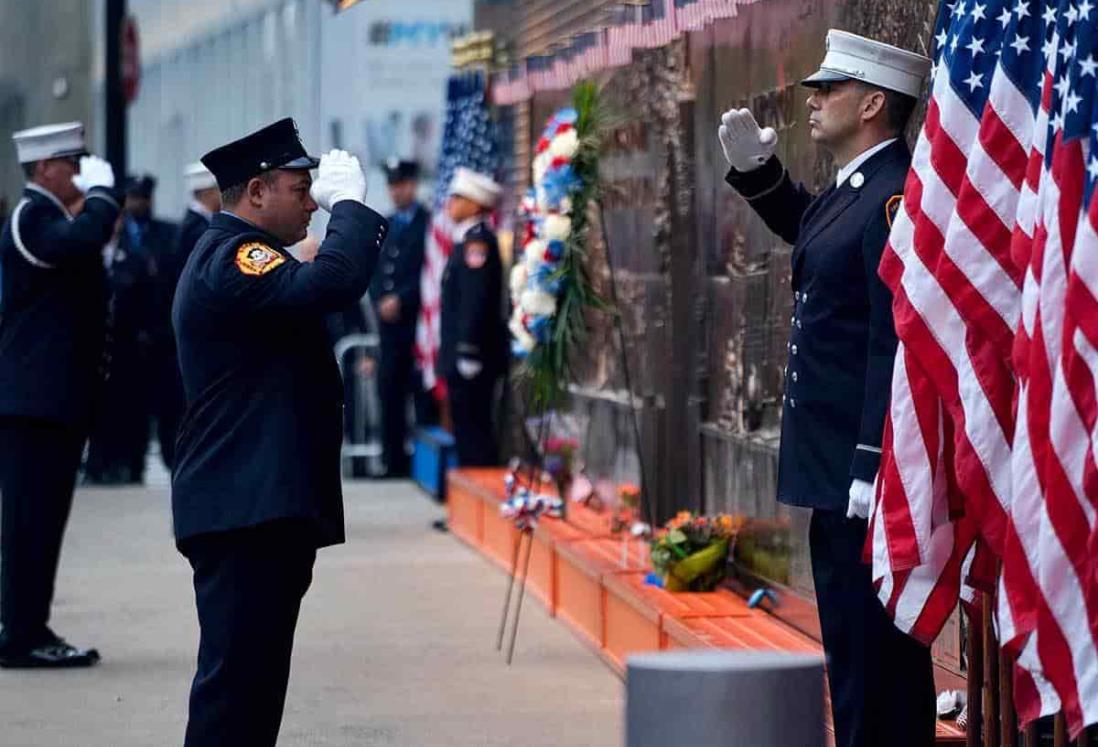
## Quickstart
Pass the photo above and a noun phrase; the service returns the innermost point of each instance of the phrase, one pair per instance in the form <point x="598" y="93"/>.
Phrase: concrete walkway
<point x="396" y="644"/>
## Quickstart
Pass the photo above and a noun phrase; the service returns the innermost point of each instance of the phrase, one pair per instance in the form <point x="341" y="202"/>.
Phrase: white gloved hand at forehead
<point x="746" y="146"/>
<point x="339" y="177"/>
<point x="94" y="172"/>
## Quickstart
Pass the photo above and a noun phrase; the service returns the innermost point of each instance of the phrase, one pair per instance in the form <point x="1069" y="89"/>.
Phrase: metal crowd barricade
<point x="362" y="432"/>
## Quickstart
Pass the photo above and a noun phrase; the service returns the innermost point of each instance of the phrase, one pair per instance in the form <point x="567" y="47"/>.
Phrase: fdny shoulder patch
<point x="892" y="207"/>
<point x="476" y="254"/>
<point x="256" y="258"/>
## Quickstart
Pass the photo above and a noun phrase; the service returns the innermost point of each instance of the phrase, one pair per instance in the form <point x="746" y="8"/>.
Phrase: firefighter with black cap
<point x="256" y="489"/>
<point x="395" y="293"/>
<point x="54" y="307"/>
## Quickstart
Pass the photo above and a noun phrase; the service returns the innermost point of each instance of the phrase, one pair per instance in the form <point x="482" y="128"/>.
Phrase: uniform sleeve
<point x="49" y="242"/>
<point x="409" y="291"/>
<point x="338" y="277"/>
<point x="478" y="300"/>
<point x="776" y="198"/>
<point x="881" y="352"/>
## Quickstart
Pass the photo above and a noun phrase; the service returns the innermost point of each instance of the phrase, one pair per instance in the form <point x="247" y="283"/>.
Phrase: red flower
<point x="559" y="161"/>
<point x="543" y="145"/>
<point x="563" y="128"/>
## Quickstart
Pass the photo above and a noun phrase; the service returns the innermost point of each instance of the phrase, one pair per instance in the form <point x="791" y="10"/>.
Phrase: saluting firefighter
<point x="52" y="321"/>
<point x="839" y="373"/>
<point x="256" y="489"/>
<point x="473" y="335"/>
<point x="395" y="294"/>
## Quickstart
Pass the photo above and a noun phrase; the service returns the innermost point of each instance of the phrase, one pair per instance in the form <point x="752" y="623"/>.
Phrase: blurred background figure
<point x="139" y="347"/>
<point x="473" y="351"/>
<point x="395" y="294"/>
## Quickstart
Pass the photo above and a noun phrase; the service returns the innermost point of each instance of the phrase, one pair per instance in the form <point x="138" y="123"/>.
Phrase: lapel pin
<point x="857" y="180"/>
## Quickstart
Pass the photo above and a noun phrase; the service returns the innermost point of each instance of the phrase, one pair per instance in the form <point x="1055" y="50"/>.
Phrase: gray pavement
<point x="395" y="645"/>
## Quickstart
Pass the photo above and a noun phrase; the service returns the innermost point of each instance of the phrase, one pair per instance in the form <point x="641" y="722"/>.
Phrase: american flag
<point x="469" y="140"/>
<point x="980" y="251"/>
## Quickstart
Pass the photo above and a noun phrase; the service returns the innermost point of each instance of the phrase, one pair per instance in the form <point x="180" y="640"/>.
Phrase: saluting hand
<point x="94" y="172"/>
<point x="745" y="144"/>
<point x="339" y="177"/>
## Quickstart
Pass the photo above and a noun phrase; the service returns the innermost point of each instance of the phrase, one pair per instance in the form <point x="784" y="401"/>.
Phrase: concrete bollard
<point x="724" y="698"/>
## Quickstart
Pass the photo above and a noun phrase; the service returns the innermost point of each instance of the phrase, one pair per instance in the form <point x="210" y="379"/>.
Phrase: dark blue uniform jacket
<point x="471" y="323"/>
<point x="53" y="305"/>
<point x="842" y="342"/>
<point x="398" y="272"/>
<point x="260" y="439"/>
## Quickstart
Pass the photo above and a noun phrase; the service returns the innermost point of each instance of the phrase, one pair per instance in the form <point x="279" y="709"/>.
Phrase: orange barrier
<point x="583" y="577"/>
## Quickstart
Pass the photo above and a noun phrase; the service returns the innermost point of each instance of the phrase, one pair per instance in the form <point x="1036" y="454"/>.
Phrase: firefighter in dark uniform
<point x="395" y="294"/>
<point x="839" y="371"/>
<point x="256" y="488"/>
<point x="54" y="306"/>
<point x="472" y="350"/>
<point x="139" y="328"/>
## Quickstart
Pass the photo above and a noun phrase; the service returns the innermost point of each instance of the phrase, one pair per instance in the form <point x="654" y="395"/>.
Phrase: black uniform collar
<point x="873" y="164"/>
<point x="231" y="223"/>
<point x="34" y="191"/>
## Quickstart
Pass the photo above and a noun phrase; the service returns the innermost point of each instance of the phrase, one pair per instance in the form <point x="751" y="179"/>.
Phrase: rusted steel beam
<point x="975" y="681"/>
<point x="991" y="675"/>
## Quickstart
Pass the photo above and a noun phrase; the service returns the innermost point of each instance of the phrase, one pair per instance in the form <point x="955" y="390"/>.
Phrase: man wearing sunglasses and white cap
<point x="54" y="307"/>
<point x="839" y="373"/>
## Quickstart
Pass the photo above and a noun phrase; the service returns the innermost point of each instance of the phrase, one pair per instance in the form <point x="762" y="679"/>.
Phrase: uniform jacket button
<point x="793" y="403"/>
<point x="797" y="296"/>
<point x="798" y="324"/>
<point x="794" y="350"/>
<point x="795" y="377"/>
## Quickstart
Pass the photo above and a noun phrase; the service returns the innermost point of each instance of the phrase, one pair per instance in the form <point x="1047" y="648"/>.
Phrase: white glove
<point x="468" y="367"/>
<point x="861" y="498"/>
<point x="94" y="172"/>
<point x="339" y="178"/>
<point x="746" y="146"/>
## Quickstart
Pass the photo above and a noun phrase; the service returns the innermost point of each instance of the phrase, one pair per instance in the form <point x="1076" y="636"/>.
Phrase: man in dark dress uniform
<point x="256" y="488"/>
<point x="139" y="325"/>
<point x="839" y="372"/>
<point x="395" y="293"/>
<point x="54" y="305"/>
<point x="473" y="346"/>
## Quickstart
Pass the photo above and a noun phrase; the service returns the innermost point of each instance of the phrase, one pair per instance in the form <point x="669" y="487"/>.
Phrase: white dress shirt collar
<point x="865" y="155"/>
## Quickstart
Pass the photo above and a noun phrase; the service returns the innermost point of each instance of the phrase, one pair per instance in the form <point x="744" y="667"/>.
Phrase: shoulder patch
<point x="256" y="258"/>
<point x="476" y="254"/>
<point x="892" y="207"/>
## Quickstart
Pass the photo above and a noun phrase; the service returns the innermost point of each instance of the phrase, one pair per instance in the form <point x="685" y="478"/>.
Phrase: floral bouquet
<point x="691" y="552"/>
<point x="549" y="286"/>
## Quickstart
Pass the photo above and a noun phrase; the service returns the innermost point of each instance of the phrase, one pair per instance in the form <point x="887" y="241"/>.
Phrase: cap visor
<point x="305" y="162"/>
<point x="820" y="77"/>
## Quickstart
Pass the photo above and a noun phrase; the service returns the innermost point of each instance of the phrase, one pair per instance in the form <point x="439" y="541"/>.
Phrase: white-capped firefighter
<point x="473" y="346"/>
<point x="839" y="373"/>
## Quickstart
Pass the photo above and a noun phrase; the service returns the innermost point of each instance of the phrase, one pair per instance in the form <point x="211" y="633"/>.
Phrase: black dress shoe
<point x="55" y="654"/>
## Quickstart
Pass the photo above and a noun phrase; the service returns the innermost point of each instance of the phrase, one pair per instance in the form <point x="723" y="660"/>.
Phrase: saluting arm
<point x="56" y="242"/>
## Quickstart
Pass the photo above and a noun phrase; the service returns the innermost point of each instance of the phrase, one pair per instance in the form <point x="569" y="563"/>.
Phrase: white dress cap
<point x="198" y="177"/>
<point x="480" y="188"/>
<point x="50" y="141"/>
<point x="850" y="56"/>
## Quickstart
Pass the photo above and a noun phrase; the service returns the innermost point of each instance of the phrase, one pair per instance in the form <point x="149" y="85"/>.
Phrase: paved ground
<point x="395" y="645"/>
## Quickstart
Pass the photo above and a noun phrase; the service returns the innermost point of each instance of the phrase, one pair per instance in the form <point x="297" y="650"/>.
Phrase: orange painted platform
<point x="582" y="576"/>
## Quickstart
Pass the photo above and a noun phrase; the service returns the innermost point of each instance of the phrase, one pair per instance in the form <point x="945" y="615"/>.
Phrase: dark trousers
<point x="38" y="464"/>
<point x="168" y="400"/>
<point x="248" y="587"/>
<point x="120" y="436"/>
<point x="471" y="412"/>
<point x="394" y="386"/>
<point x="881" y="680"/>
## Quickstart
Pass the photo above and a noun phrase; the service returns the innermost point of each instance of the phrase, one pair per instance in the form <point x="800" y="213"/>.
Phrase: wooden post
<point x="991" y="675"/>
<point x="1029" y="736"/>
<point x="1008" y="720"/>
<point x="975" y="681"/>
<point x="1060" y="732"/>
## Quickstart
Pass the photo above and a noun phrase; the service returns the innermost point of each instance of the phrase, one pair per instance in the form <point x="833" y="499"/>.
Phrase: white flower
<point x="541" y="165"/>
<point x="558" y="227"/>
<point x="518" y="279"/>
<point x="566" y="206"/>
<point x="525" y="340"/>
<point x="538" y="303"/>
<point x="535" y="255"/>
<point x="564" y="145"/>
